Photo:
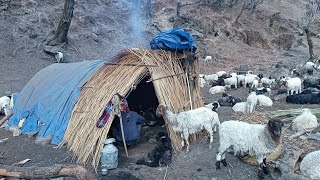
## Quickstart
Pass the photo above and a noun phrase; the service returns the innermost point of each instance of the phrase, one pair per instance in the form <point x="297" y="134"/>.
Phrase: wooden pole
<point x="129" y="64"/>
<point x="35" y="172"/>
<point x="122" y="132"/>
<point x="164" y="77"/>
<point x="189" y="92"/>
<point x="4" y="119"/>
<point x="116" y="109"/>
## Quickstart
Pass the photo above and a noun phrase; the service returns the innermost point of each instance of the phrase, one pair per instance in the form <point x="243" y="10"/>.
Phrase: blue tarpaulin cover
<point x="47" y="100"/>
<point x="174" y="40"/>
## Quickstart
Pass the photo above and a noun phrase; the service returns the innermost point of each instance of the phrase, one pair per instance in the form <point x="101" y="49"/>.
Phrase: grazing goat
<point x="191" y="121"/>
<point x="255" y="139"/>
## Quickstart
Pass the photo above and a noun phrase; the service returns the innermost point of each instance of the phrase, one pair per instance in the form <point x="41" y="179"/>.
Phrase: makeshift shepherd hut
<point x="79" y="92"/>
<point x="166" y="71"/>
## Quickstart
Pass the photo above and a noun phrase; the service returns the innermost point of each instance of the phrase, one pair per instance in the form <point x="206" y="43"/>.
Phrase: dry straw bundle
<point x="167" y="72"/>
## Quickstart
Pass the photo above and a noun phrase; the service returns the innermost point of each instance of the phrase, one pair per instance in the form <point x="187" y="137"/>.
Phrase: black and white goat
<point x="228" y="100"/>
<point x="161" y="154"/>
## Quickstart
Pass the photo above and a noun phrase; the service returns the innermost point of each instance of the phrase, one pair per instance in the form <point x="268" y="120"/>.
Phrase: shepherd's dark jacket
<point x="132" y="122"/>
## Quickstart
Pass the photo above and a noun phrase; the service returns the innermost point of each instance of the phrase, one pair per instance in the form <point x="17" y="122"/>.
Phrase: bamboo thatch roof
<point x="167" y="72"/>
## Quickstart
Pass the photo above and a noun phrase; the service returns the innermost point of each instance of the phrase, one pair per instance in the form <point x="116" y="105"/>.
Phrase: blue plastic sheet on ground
<point x="47" y="100"/>
<point x="174" y="40"/>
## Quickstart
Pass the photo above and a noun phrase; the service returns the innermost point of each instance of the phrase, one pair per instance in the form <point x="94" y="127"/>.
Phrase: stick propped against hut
<point x="168" y="72"/>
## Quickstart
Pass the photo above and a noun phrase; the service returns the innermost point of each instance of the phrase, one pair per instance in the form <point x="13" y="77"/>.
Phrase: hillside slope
<point x="100" y="29"/>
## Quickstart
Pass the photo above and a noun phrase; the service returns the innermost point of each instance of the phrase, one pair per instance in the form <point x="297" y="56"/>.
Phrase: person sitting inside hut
<point x="132" y="123"/>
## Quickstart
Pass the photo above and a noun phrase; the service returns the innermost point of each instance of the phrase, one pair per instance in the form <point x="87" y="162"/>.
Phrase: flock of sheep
<point x="244" y="138"/>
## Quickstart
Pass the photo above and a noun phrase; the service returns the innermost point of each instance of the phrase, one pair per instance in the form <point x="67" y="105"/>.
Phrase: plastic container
<point x="109" y="156"/>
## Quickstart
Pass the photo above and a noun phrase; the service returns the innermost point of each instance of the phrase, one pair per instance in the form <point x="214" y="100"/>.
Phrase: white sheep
<point x="233" y="74"/>
<point x="255" y="84"/>
<point x="309" y="66"/>
<point x="208" y="59"/>
<point x="191" y="121"/>
<point x="267" y="81"/>
<point x="231" y="81"/>
<point x="220" y="73"/>
<point x="218" y="89"/>
<point x="251" y="102"/>
<point x="60" y="57"/>
<point x="240" y="107"/>
<point x="240" y="79"/>
<point x="303" y="123"/>
<point x="210" y="77"/>
<point x="5" y="105"/>
<point x="201" y="82"/>
<point x="310" y="165"/>
<point x="249" y="78"/>
<point x="263" y="100"/>
<point x="255" y="139"/>
<point x="293" y="85"/>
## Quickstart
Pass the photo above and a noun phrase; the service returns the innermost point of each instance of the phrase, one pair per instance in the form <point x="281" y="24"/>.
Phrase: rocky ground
<point x="101" y="29"/>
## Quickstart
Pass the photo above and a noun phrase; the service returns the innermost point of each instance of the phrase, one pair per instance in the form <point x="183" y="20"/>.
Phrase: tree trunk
<point x="46" y="172"/>
<point x="240" y="13"/>
<point x="60" y="35"/>
<point x="149" y="10"/>
<point x="178" y="9"/>
<point x="310" y="44"/>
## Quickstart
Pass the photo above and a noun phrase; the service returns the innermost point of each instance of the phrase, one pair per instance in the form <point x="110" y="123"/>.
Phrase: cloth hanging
<point x="123" y="105"/>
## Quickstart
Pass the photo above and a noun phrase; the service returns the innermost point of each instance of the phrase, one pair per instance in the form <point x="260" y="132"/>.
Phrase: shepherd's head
<point x="161" y="110"/>
<point x="275" y="127"/>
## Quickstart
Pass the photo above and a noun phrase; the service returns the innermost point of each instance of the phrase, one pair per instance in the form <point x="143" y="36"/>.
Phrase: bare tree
<point x="312" y="11"/>
<point x="249" y="5"/>
<point x="60" y="35"/>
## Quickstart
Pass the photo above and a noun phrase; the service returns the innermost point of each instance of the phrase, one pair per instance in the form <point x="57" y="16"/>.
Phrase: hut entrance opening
<point x="142" y="100"/>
